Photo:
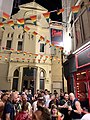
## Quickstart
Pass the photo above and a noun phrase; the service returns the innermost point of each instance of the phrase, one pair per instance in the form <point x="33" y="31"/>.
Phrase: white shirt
<point x="86" y="117"/>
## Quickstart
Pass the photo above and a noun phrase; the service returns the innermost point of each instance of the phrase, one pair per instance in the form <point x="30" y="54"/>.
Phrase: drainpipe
<point x="62" y="70"/>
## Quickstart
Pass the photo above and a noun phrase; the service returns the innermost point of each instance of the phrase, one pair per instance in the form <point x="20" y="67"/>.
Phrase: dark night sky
<point x="48" y="4"/>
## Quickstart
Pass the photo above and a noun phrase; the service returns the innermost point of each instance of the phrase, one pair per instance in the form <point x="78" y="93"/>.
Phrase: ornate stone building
<point x="26" y="61"/>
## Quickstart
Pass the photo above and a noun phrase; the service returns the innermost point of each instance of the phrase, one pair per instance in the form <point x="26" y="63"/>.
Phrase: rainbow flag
<point x="47" y="15"/>
<point x="75" y="9"/>
<point x="12" y="50"/>
<point x="11" y="23"/>
<point x="5" y="16"/>
<point x="35" y="33"/>
<point x="60" y="11"/>
<point x="20" y="22"/>
<point x="52" y="45"/>
<point x="26" y="28"/>
<point x="47" y="41"/>
<point x="34" y="19"/>
<point x="41" y="38"/>
<point x="0" y="57"/>
<point x="2" y="26"/>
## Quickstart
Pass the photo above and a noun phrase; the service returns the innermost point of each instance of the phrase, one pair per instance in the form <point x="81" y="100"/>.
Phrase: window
<point x="8" y="46"/>
<point x="78" y="33"/>
<point x="86" y="26"/>
<point x="12" y="35"/>
<point x="41" y="47"/>
<point x="19" y="36"/>
<point x="8" y="35"/>
<point x="19" y="45"/>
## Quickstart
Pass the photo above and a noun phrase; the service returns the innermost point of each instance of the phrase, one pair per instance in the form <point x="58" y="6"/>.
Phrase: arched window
<point x="15" y="80"/>
<point x="42" y="77"/>
<point x="8" y="35"/>
<point x="12" y="35"/>
<point x="19" y="36"/>
<point x="16" y="73"/>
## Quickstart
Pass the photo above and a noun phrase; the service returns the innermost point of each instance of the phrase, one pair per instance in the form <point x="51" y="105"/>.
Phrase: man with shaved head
<point x="75" y="108"/>
<point x="9" y="110"/>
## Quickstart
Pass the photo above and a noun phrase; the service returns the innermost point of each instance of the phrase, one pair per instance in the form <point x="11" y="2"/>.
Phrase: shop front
<point x="82" y="76"/>
<point x="77" y="73"/>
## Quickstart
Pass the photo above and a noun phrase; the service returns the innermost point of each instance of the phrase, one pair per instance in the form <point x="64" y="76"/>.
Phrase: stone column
<point x="20" y="79"/>
<point x="38" y="79"/>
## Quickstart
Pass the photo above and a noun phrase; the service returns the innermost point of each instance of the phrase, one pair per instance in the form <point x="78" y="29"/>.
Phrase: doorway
<point x="29" y="79"/>
<point x="82" y="83"/>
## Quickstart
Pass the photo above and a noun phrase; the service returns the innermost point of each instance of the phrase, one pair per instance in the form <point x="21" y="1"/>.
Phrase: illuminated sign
<point x="83" y="58"/>
<point x="57" y="37"/>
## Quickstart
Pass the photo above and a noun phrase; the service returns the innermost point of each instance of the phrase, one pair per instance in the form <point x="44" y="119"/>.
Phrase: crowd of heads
<point x="43" y="105"/>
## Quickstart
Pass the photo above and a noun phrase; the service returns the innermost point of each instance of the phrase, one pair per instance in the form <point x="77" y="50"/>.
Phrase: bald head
<point x="72" y="96"/>
<point x="14" y="97"/>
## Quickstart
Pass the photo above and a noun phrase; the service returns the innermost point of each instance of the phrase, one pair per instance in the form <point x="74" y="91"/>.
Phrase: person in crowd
<point x="63" y="106"/>
<point x="34" y="105"/>
<point x="86" y="117"/>
<point x="41" y="113"/>
<point x="30" y="96"/>
<point x="24" y="101"/>
<point x="3" y="100"/>
<point x="55" y="114"/>
<point x="24" y="114"/>
<point x="61" y="94"/>
<point x="75" y="108"/>
<point x="9" y="110"/>
<point x="48" y="101"/>
<point x="46" y="95"/>
<point x="53" y="101"/>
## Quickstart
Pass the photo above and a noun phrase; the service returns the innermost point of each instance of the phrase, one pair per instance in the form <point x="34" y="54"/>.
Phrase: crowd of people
<point x="43" y="105"/>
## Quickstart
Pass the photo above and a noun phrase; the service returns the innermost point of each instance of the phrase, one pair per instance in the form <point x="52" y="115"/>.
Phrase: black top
<point x="9" y="108"/>
<point x="74" y="114"/>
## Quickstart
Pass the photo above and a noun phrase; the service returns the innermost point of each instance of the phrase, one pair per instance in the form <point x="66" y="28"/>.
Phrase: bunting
<point x="47" y="41"/>
<point x="11" y="59"/>
<point x="23" y="59"/>
<point x="2" y="26"/>
<point x="6" y="58"/>
<point x="51" y="45"/>
<point x="28" y="60"/>
<point x="34" y="33"/>
<point x="11" y="23"/>
<point x="12" y="50"/>
<point x="34" y="19"/>
<point x="26" y="28"/>
<point x="60" y="11"/>
<point x="5" y="16"/>
<point x="47" y="15"/>
<point x="75" y="9"/>
<point x="41" y="38"/>
<point x="0" y="57"/>
<point x="20" y="22"/>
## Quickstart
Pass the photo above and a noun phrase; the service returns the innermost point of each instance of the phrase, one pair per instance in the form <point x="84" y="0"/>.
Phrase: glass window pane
<point x="41" y="47"/>
<point x="19" y="45"/>
<point x="8" y="46"/>
<point x="42" y="84"/>
<point x="78" y="33"/>
<point x="86" y="25"/>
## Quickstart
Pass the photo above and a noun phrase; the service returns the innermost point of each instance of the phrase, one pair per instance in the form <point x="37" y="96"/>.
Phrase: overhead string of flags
<point x="28" y="57"/>
<point x="21" y="21"/>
